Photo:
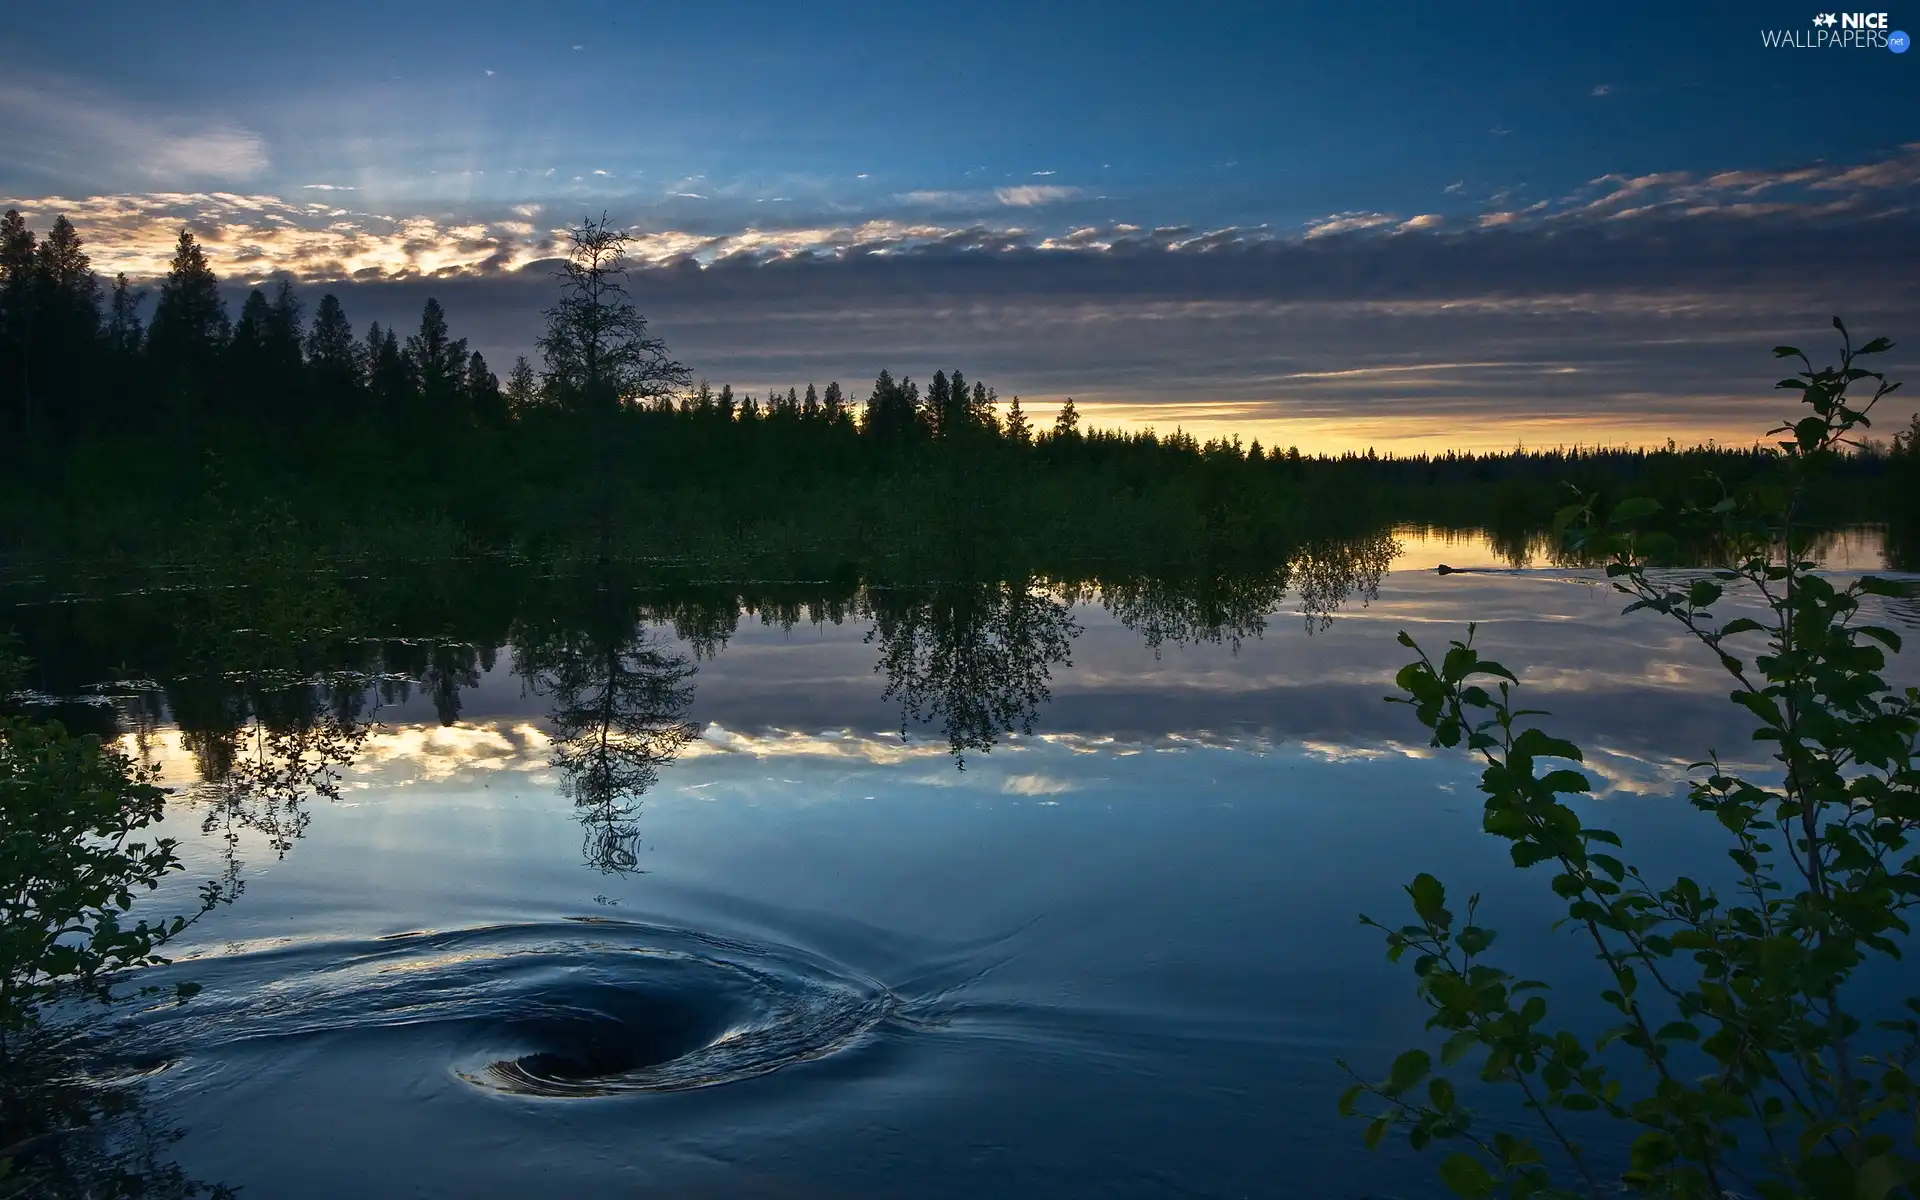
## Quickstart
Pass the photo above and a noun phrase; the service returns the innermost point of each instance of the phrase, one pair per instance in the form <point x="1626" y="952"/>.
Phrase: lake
<point x="570" y="886"/>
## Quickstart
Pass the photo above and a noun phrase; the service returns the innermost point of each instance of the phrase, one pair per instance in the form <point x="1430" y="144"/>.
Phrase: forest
<point x="125" y="419"/>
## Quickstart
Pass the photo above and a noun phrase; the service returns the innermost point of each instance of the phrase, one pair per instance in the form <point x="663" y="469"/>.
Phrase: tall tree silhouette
<point x="190" y="327"/>
<point x="437" y="362"/>
<point x="598" y="351"/>
<point x="1067" y="424"/>
<point x="1019" y="432"/>
<point x="974" y="657"/>
<point x="17" y="312"/>
<point x="125" y="334"/>
<point x="481" y="387"/>
<point x="388" y="380"/>
<point x="599" y="355"/>
<point x="67" y="323"/>
<point x="335" y="358"/>
<point x="523" y="390"/>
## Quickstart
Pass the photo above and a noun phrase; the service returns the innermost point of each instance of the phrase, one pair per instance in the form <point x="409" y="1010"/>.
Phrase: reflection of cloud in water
<point x="1036" y="785"/>
<point x="1036" y="766"/>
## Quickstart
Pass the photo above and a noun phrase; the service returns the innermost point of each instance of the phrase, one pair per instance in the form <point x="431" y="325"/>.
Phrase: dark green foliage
<point x="189" y="332"/>
<point x="1748" y="1058"/>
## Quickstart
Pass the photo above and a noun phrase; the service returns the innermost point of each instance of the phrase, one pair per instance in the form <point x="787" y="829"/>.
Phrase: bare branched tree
<point x="598" y="351"/>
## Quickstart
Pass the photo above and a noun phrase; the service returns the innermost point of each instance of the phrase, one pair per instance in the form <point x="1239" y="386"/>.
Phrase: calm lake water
<point x="624" y="906"/>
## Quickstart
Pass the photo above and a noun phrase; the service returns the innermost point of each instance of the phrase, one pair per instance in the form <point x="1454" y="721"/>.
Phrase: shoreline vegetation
<point x="120" y="434"/>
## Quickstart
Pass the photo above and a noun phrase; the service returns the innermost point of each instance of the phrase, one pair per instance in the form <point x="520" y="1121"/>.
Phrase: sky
<point x="1408" y="226"/>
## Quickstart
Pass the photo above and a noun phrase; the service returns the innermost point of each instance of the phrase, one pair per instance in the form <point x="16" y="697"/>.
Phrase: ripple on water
<point x="563" y="1009"/>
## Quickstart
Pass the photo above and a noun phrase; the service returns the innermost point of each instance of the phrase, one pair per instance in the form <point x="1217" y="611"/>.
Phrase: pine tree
<point x="190" y="329"/>
<point x="725" y="403"/>
<point x="66" y="327"/>
<point x="388" y="380"/>
<point x="834" y="403"/>
<point x="1067" y="424"/>
<point x="1018" y="431"/>
<point x="598" y="351"/>
<point x="124" y="332"/>
<point x="437" y="362"/>
<point x="810" y="403"/>
<point x="938" y="407"/>
<point x="523" y="391"/>
<point x="335" y="359"/>
<point x="483" y="389"/>
<point x="17" y="296"/>
<point x="285" y="363"/>
<point x="249" y="376"/>
<point x="981" y="409"/>
<point x="954" y="421"/>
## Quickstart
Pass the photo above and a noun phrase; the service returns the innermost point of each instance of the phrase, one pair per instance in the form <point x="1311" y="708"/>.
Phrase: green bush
<point x="1741" y="1062"/>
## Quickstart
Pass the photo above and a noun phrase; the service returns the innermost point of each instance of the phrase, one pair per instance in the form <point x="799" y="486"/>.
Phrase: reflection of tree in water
<point x="1230" y="607"/>
<point x="974" y="657"/>
<point x="620" y="697"/>
<point x="1326" y="575"/>
<point x="263" y="754"/>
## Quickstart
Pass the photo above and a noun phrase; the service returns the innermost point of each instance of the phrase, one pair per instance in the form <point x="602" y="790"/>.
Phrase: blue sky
<point x="1115" y="165"/>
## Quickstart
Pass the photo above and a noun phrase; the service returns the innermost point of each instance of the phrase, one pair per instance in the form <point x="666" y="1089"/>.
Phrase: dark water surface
<point x="689" y="917"/>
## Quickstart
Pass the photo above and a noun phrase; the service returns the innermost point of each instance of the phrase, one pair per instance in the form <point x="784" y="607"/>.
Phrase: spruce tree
<point x="523" y="391"/>
<point x="17" y="296"/>
<point x="334" y="358"/>
<point x="437" y="361"/>
<point x="66" y="329"/>
<point x="1019" y="432"/>
<point x="1067" y="424"/>
<point x="190" y="328"/>
<point x="124" y="332"/>
<point x="483" y="389"/>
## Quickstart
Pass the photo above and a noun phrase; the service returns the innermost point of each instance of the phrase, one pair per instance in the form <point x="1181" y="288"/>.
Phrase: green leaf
<point x="1455" y="1048"/>
<point x="1350" y="1098"/>
<point x="1878" y="1176"/>
<point x="1429" y="897"/>
<point x="1464" y="1176"/>
<point x="1376" y="1129"/>
<point x="1410" y="1068"/>
<point x="1886" y="637"/>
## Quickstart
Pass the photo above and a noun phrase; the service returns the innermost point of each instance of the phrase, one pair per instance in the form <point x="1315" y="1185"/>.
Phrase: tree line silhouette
<point x="108" y="421"/>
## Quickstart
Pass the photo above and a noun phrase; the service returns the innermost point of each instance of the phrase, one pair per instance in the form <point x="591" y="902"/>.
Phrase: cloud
<point x="1349" y="222"/>
<point x="1455" y="188"/>
<point x="63" y="131"/>
<point x="1601" y="89"/>
<point x="1029" y="195"/>
<point x="329" y="187"/>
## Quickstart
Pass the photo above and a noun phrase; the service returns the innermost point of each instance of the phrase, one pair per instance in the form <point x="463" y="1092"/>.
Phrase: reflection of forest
<point x="276" y="673"/>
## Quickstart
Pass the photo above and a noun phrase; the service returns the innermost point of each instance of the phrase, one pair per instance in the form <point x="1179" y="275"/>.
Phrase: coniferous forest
<point x="126" y="408"/>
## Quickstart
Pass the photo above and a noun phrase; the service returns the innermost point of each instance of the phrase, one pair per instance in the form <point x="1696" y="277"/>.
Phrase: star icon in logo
<point x="1826" y="19"/>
